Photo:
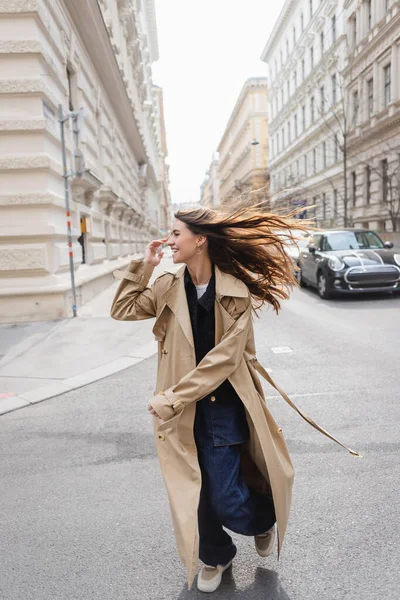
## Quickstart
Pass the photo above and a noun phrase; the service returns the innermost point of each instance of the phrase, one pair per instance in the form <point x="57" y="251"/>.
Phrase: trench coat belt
<point x="260" y="369"/>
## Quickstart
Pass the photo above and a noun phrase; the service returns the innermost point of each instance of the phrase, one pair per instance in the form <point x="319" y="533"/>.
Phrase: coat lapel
<point x="175" y="298"/>
<point x="225" y="286"/>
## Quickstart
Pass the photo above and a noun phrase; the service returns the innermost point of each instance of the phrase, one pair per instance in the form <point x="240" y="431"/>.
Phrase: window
<point x="287" y="47"/>
<point x="276" y="67"/>
<point x="294" y="35"/>
<point x="322" y="42"/>
<point x="283" y="137"/>
<point x="305" y="165"/>
<point x="303" y="69"/>
<point x="334" y="96"/>
<point x="385" y="179"/>
<point x="370" y="92"/>
<point x="324" y="206"/>
<point x="388" y="83"/>
<point x="288" y="88"/>
<point x="367" y="174"/>
<point x="312" y="57"/>
<point x="297" y="168"/>
<point x="312" y="109"/>
<point x="294" y="81"/>
<point x="272" y="147"/>
<point x="355" y="107"/>
<point x="277" y="143"/>
<point x="314" y="152"/>
<point x="302" y="22"/>
<point x="324" y="154"/>
<point x="282" y="98"/>
<point x="295" y="126"/>
<point x="387" y="4"/>
<point x="333" y="27"/>
<point x="281" y="55"/>
<point x="311" y="8"/>
<point x="71" y="88"/>
<point x="354" y="29"/>
<point x="289" y="135"/>
<point x="369" y="12"/>
<point x="322" y="97"/>
<point x="303" y="117"/>
<point x="353" y="187"/>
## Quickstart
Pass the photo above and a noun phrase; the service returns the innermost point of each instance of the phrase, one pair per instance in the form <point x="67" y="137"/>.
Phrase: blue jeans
<point x="225" y="499"/>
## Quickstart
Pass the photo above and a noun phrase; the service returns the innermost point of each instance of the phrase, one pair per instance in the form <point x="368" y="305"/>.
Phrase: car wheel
<point x="324" y="290"/>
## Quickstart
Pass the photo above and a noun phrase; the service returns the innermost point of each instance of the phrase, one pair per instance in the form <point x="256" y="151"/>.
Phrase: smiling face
<point x="184" y="243"/>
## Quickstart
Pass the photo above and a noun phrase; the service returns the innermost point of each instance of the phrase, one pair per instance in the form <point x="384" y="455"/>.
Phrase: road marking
<point x="281" y="350"/>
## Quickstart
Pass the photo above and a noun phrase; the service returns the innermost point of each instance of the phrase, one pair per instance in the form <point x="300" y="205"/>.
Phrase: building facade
<point x="243" y="149"/>
<point x="95" y="56"/>
<point x="333" y="110"/>
<point x="306" y="55"/>
<point x="209" y="189"/>
<point x="373" y="79"/>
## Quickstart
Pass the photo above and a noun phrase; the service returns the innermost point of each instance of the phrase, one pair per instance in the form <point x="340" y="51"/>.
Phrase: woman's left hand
<point x="152" y="411"/>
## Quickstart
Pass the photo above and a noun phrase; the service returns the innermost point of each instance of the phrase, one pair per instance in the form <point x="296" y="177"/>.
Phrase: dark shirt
<point x="220" y="416"/>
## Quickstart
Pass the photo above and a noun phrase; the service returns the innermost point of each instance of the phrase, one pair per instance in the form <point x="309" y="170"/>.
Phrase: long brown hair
<point x="249" y="244"/>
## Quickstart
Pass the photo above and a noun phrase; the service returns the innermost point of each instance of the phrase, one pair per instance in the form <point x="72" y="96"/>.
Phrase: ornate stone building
<point x="243" y="148"/>
<point x="305" y="54"/>
<point x="94" y="55"/>
<point x="373" y="79"/>
<point x="334" y="113"/>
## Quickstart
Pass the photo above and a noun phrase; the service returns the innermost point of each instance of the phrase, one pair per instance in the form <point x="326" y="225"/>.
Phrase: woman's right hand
<point x="151" y="257"/>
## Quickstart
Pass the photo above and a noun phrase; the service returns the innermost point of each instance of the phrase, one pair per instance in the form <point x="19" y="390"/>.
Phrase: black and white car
<point x="349" y="261"/>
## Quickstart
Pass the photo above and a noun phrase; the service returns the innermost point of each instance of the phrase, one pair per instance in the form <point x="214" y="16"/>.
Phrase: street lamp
<point x="255" y="142"/>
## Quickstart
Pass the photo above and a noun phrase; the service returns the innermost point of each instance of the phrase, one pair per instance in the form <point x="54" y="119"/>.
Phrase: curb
<point x="13" y="403"/>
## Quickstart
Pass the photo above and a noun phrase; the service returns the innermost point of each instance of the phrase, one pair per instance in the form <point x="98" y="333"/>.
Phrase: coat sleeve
<point x="210" y="373"/>
<point x="133" y="300"/>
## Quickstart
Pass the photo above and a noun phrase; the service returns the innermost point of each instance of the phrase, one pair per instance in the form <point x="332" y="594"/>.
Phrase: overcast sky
<point x="208" y="48"/>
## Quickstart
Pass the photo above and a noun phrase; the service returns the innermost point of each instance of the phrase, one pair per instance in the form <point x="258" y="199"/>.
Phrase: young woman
<point x="223" y="458"/>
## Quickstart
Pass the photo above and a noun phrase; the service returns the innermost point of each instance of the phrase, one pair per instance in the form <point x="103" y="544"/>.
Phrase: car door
<point x="308" y="267"/>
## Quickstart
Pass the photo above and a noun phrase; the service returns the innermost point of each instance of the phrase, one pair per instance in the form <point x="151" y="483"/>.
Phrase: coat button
<point x="161" y="437"/>
<point x="164" y="351"/>
<point x="279" y="430"/>
<point x="213" y="398"/>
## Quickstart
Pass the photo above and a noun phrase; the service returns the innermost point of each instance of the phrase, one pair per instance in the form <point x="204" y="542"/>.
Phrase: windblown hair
<point x="249" y="244"/>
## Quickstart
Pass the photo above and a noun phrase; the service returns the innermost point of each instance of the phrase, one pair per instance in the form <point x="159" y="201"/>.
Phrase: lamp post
<point x="76" y="116"/>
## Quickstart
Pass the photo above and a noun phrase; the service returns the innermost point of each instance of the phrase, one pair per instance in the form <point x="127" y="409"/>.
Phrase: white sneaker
<point x="265" y="542"/>
<point x="209" y="578"/>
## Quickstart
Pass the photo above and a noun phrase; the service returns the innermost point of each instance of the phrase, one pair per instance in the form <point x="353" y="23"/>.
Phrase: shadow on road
<point x="266" y="586"/>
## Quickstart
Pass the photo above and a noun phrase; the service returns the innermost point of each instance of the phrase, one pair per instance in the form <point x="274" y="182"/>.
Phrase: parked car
<point x="349" y="261"/>
<point x="294" y="249"/>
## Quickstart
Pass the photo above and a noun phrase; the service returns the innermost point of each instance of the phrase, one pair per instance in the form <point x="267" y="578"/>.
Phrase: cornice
<point x="287" y="10"/>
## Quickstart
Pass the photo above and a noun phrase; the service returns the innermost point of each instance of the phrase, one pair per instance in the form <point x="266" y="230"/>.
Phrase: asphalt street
<point x="84" y="512"/>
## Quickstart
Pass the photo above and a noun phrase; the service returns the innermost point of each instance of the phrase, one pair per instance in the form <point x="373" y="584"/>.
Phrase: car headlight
<point x="335" y="263"/>
<point x="397" y="259"/>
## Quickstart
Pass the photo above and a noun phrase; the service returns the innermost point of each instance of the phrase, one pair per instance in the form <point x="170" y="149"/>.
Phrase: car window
<point x="368" y="239"/>
<point x="315" y="240"/>
<point x="325" y="244"/>
<point x="352" y="240"/>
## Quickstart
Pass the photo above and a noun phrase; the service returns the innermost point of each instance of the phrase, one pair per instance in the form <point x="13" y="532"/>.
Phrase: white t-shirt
<point x="200" y="289"/>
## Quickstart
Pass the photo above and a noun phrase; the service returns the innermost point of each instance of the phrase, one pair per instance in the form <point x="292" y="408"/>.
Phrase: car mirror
<point x="312" y="249"/>
<point x="388" y="245"/>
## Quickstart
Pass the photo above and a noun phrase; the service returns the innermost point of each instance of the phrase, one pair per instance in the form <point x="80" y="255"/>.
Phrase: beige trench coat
<point x="266" y="462"/>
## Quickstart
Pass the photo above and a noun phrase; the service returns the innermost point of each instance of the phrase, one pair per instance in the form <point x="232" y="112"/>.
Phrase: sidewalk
<point x="46" y="359"/>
